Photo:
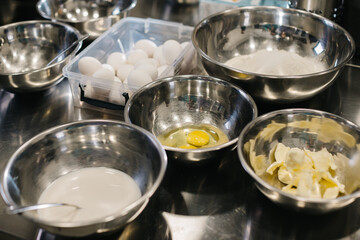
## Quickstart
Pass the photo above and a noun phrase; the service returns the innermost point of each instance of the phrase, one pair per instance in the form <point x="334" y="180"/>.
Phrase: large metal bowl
<point x="173" y="102"/>
<point x="77" y="145"/>
<point x="89" y="17"/>
<point x="27" y="47"/>
<point x="326" y="130"/>
<point x="246" y="30"/>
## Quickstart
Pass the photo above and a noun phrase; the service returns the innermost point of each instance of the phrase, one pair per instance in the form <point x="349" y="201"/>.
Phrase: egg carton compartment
<point x="110" y="95"/>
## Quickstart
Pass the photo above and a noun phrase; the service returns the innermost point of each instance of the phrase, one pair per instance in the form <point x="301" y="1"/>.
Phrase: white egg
<point x="108" y="66"/>
<point x="184" y="44"/>
<point x="161" y="70"/>
<point x="88" y="65"/>
<point x="138" y="78"/>
<point x="189" y="62"/>
<point x="94" y="91"/>
<point x="99" y="92"/>
<point x="158" y="55"/>
<point x="123" y="71"/>
<point x="171" y="50"/>
<point x="166" y="71"/>
<point x="115" y="59"/>
<point x="117" y="80"/>
<point x="152" y="61"/>
<point x="104" y="73"/>
<point x="136" y="55"/>
<point x="116" y="94"/>
<point x="150" y="69"/>
<point x="88" y="91"/>
<point x="127" y="90"/>
<point x="146" y="45"/>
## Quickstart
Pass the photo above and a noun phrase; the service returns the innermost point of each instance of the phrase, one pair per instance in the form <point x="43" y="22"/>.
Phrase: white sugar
<point x="276" y="62"/>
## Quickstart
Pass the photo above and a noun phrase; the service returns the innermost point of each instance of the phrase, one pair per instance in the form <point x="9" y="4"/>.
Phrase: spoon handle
<point x="13" y="211"/>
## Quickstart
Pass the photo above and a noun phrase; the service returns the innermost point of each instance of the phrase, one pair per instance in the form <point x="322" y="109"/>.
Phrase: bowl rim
<point x="141" y="201"/>
<point x="263" y="183"/>
<point x="160" y="81"/>
<point x="41" y="22"/>
<point x="207" y="19"/>
<point x="44" y="15"/>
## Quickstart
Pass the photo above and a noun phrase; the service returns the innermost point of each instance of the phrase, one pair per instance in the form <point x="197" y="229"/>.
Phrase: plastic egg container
<point x="131" y="54"/>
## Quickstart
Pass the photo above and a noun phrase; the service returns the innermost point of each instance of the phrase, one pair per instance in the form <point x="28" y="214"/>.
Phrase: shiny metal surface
<point x="187" y="1"/>
<point x="66" y="51"/>
<point x="25" y="50"/>
<point x="217" y="201"/>
<point x="174" y="102"/>
<point x="76" y="145"/>
<point x="304" y="138"/>
<point x="89" y="17"/>
<point x="246" y="30"/>
<point x="37" y="207"/>
<point x="328" y="8"/>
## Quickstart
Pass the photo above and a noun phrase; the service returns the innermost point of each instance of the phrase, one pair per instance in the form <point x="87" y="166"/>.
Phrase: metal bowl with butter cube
<point x="303" y="159"/>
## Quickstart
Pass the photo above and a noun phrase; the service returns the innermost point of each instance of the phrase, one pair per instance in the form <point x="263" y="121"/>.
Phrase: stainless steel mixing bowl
<point x="246" y="30"/>
<point x="27" y="47"/>
<point x="304" y="129"/>
<point x="89" y="17"/>
<point x="173" y="102"/>
<point x="73" y="146"/>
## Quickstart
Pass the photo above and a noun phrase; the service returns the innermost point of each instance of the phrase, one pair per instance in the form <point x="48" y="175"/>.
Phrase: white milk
<point x="99" y="191"/>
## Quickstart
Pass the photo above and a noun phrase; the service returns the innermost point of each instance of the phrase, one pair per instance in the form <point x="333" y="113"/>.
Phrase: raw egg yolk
<point x="188" y="146"/>
<point x="198" y="138"/>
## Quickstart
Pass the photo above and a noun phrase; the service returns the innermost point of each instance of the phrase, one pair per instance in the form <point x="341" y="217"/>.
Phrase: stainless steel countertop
<point x="209" y="202"/>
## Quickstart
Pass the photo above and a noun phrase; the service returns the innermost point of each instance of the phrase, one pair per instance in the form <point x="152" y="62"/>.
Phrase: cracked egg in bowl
<point x="196" y="118"/>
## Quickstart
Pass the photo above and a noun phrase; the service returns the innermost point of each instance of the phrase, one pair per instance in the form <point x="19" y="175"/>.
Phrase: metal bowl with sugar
<point x="282" y="46"/>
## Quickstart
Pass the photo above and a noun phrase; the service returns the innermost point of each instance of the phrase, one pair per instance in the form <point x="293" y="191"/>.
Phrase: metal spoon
<point x="35" y="207"/>
<point x="67" y="49"/>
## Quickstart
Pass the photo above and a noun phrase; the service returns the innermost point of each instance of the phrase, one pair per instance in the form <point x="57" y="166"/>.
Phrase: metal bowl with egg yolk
<point x="178" y="101"/>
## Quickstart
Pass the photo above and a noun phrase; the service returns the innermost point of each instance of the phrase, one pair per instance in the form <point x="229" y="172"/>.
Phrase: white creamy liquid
<point x="98" y="191"/>
<point x="276" y="62"/>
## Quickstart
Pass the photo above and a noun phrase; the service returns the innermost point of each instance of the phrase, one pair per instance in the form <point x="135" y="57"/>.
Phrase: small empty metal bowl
<point x="178" y="101"/>
<point x="247" y="30"/>
<point x="77" y="145"/>
<point x="304" y="129"/>
<point x="89" y="17"/>
<point x="27" y="47"/>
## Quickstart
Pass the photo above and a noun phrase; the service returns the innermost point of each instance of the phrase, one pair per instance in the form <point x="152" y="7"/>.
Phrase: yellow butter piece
<point x="327" y="176"/>
<point x="307" y="187"/>
<point x="289" y="189"/>
<point x="274" y="166"/>
<point x="277" y="156"/>
<point x="297" y="160"/>
<point x="331" y="193"/>
<point x="271" y="129"/>
<point x="281" y="152"/>
<point x="305" y="173"/>
<point x="258" y="162"/>
<point x="323" y="160"/>
<point x="285" y="176"/>
<point x="328" y="130"/>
